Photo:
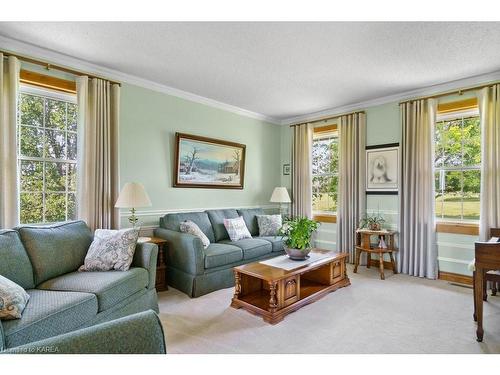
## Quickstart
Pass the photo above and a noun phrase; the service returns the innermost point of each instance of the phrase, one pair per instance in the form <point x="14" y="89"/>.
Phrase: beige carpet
<point x="402" y="314"/>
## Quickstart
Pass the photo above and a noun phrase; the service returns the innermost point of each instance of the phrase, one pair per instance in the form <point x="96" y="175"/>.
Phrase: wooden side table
<point x="363" y="243"/>
<point x="161" y="268"/>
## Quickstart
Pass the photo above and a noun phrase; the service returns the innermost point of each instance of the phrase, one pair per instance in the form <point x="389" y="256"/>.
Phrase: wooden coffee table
<point x="273" y="292"/>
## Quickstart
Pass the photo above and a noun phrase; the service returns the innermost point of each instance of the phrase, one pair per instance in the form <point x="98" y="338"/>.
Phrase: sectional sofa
<point x="197" y="271"/>
<point x="44" y="260"/>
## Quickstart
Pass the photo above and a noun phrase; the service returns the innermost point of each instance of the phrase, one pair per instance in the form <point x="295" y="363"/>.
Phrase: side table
<point x="363" y="243"/>
<point x="161" y="268"/>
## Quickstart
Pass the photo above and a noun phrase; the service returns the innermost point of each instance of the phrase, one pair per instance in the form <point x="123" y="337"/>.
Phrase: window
<point x="457" y="165"/>
<point x="47" y="155"/>
<point x="325" y="170"/>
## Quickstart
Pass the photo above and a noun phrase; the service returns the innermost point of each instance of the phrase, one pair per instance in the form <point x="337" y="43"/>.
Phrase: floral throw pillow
<point x="269" y="225"/>
<point x="237" y="229"/>
<point x="191" y="227"/>
<point x="111" y="250"/>
<point x="13" y="299"/>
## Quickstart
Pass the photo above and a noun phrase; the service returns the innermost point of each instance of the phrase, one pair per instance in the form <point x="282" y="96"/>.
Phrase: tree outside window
<point x="325" y="172"/>
<point x="46" y="158"/>
<point x="457" y="165"/>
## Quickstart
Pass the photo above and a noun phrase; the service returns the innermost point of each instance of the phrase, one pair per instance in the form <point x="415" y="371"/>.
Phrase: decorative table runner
<point x="286" y="263"/>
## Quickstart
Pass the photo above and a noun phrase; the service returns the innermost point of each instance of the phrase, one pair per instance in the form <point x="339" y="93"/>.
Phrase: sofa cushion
<point x="217" y="255"/>
<point x="250" y="217"/>
<point x="276" y="242"/>
<point x="252" y="247"/>
<point x="173" y="221"/>
<point x="217" y="219"/>
<point x="13" y="299"/>
<point x="110" y="287"/>
<point x="55" y="249"/>
<point x="15" y="264"/>
<point x="50" y="313"/>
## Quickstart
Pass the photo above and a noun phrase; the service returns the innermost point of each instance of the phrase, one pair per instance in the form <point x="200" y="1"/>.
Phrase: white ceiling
<point x="280" y="70"/>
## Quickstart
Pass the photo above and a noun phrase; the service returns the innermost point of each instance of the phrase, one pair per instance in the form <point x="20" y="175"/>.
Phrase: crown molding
<point x="44" y="54"/>
<point x="425" y="91"/>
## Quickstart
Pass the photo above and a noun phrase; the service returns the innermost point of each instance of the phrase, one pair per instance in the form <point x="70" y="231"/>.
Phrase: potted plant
<point x="372" y="222"/>
<point x="296" y="234"/>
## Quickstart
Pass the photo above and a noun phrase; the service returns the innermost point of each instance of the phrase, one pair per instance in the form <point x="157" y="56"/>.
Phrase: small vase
<point x="297" y="254"/>
<point x="375" y="226"/>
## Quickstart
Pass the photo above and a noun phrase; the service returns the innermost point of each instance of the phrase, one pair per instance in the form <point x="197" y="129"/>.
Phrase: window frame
<point x="327" y="130"/>
<point x="450" y="111"/>
<point x="29" y="89"/>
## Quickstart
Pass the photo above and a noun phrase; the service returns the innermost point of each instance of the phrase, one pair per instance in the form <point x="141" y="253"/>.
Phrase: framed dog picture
<point x="382" y="169"/>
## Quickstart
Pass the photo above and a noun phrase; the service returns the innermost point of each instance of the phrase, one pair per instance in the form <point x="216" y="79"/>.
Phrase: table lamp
<point x="280" y="195"/>
<point x="132" y="196"/>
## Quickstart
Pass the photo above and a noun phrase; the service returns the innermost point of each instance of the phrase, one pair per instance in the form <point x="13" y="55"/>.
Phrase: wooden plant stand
<point x="273" y="292"/>
<point x="363" y="243"/>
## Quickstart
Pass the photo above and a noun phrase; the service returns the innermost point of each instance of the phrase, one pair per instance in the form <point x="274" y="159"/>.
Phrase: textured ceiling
<point x="278" y="69"/>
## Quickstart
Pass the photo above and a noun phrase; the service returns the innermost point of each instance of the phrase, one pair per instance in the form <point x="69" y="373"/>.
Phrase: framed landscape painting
<point x="202" y="162"/>
<point x="382" y="169"/>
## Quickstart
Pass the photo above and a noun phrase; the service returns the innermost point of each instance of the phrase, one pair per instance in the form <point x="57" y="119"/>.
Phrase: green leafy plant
<point x="297" y="232"/>
<point x="373" y="222"/>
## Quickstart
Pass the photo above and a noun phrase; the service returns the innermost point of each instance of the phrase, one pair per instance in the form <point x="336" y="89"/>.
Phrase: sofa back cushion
<point x="15" y="264"/>
<point x="173" y="221"/>
<point x="56" y="249"/>
<point x="250" y="217"/>
<point x="217" y="219"/>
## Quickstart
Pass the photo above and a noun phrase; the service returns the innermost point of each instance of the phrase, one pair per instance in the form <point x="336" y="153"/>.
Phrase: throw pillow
<point x="111" y="250"/>
<point x="13" y="299"/>
<point x="269" y="225"/>
<point x="191" y="227"/>
<point x="237" y="229"/>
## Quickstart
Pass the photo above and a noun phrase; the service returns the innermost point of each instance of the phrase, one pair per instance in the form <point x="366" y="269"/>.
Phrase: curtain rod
<point x="459" y="92"/>
<point x="326" y="118"/>
<point x="49" y="66"/>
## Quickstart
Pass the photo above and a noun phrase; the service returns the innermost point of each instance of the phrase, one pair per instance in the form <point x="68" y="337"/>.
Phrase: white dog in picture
<point x="379" y="171"/>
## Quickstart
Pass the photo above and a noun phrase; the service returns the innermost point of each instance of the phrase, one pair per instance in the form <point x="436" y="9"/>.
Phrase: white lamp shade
<point x="280" y="195"/>
<point x="133" y="195"/>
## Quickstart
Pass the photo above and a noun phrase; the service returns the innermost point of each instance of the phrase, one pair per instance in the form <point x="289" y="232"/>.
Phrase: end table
<point x="363" y="243"/>
<point x="161" y="268"/>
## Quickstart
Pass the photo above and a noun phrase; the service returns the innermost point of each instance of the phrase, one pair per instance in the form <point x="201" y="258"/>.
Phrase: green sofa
<point x="197" y="271"/>
<point x="140" y="333"/>
<point x="44" y="260"/>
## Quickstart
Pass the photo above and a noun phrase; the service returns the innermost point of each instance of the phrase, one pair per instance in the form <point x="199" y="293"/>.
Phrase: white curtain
<point x="417" y="241"/>
<point x="98" y="174"/>
<point x="302" y="170"/>
<point x="352" y="180"/>
<point x="9" y="90"/>
<point x="489" y="110"/>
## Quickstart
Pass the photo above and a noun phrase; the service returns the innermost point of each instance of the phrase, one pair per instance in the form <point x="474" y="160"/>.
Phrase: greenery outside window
<point x="325" y="171"/>
<point x="47" y="146"/>
<point x="457" y="166"/>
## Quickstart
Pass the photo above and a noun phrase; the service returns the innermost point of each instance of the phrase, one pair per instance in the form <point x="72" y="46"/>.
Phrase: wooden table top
<point x="270" y="273"/>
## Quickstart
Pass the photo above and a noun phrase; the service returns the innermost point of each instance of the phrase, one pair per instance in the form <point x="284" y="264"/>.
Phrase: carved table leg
<point x="485" y="289"/>
<point x="237" y="289"/>
<point x="357" y="255"/>
<point x="479" y="302"/>
<point x="381" y="265"/>
<point x="394" y="269"/>
<point x="368" y="259"/>
<point x="273" y="301"/>
<point x="494" y="288"/>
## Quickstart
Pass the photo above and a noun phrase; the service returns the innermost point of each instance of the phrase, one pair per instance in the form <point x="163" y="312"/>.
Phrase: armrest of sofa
<point x="140" y="333"/>
<point x="184" y="251"/>
<point x="145" y="256"/>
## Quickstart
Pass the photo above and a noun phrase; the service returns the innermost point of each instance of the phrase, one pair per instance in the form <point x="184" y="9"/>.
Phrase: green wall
<point x="148" y="122"/>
